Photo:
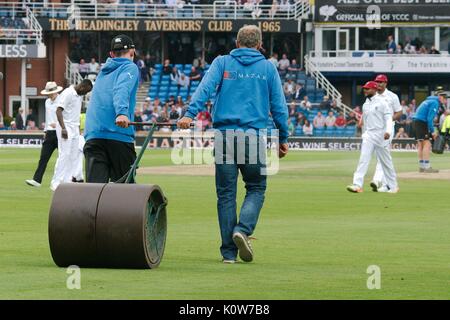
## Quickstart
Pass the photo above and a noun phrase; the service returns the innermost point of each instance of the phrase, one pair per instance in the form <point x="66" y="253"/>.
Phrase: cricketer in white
<point x="393" y="101"/>
<point x="377" y="130"/>
<point x="69" y="164"/>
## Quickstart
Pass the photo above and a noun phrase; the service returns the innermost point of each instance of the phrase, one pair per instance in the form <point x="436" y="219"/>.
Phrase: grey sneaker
<point x="430" y="170"/>
<point x="244" y="246"/>
<point x="32" y="183"/>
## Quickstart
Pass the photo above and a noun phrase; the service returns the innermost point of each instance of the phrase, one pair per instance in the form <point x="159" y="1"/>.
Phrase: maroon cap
<point x="370" y="85"/>
<point x="381" y="78"/>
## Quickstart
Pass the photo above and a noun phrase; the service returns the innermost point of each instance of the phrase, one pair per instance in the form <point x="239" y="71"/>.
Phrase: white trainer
<point x="385" y="189"/>
<point x="32" y="183"/>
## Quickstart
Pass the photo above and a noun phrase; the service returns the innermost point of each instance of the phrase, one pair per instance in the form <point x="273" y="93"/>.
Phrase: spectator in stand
<point x="289" y="89"/>
<point x="319" y="121"/>
<point x="293" y="109"/>
<point x="157" y="105"/>
<point x="307" y="129"/>
<point x="175" y="76"/>
<point x="404" y="106"/>
<point x="401" y="134"/>
<point x="94" y="67"/>
<point x="434" y="50"/>
<point x="409" y="48"/>
<point x="399" y="49"/>
<point x="301" y="119"/>
<point x="330" y="120"/>
<point x="19" y="120"/>
<point x="358" y="112"/>
<point x="340" y="120"/>
<point x="179" y="104"/>
<point x="284" y="64"/>
<point x="194" y="75"/>
<point x="30" y="117"/>
<point x="162" y="117"/>
<point x="274" y="60"/>
<point x="83" y="68"/>
<point x="413" y="105"/>
<point x="171" y="102"/>
<point x="204" y="119"/>
<point x="167" y="68"/>
<point x="291" y="127"/>
<point x="305" y="104"/>
<point x="138" y="118"/>
<point x="12" y="125"/>
<point x="32" y="125"/>
<point x="292" y="70"/>
<point x="391" y="45"/>
<point x="325" y="104"/>
<point x="299" y="93"/>
<point x="142" y="70"/>
<point x="351" y="119"/>
<point x="173" y="114"/>
<point x="183" y="81"/>
<point x="147" y="109"/>
<point x="423" y="50"/>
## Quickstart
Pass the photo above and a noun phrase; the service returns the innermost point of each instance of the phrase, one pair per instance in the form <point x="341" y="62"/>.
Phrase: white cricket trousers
<point x="78" y="172"/>
<point x="68" y="159"/>
<point x="368" y="148"/>
<point x="379" y="174"/>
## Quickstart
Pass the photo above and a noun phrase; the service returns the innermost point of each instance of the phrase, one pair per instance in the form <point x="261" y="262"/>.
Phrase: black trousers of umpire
<point x="48" y="146"/>
<point x="107" y="160"/>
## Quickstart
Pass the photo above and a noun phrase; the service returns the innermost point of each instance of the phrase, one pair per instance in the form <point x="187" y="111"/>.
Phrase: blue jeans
<point x="226" y="188"/>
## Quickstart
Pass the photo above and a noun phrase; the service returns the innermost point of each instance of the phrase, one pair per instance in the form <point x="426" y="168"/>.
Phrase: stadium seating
<point x="163" y="88"/>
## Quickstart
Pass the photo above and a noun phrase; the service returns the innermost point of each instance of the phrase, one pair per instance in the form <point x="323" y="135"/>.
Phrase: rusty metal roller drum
<point x="108" y="225"/>
<point x="71" y="228"/>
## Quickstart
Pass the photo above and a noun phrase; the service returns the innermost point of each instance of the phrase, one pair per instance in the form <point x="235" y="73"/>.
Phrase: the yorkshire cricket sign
<point x="166" y="25"/>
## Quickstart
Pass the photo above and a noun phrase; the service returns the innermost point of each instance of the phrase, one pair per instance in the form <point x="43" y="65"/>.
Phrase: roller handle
<point x="157" y="124"/>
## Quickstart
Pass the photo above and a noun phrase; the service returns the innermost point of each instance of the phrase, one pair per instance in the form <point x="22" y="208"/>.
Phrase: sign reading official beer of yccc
<point x="383" y="11"/>
<point x="167" y="25"/>
<point x="22" y="51"/>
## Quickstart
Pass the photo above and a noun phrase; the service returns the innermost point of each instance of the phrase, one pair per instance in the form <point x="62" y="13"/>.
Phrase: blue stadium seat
<point x="339" y="132"/>
<point x="350" y="131"/>
<point x="158" y="66"/>
<point x="319" y="132"/>
<point x="330" y="131"/>
<point x="298" y="131"/>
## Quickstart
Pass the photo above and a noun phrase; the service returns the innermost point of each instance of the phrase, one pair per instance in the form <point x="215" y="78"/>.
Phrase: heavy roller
<point x="111" y="225"/>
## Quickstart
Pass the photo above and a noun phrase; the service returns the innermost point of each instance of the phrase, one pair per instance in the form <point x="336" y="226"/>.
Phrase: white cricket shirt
<point x="70" y="101"/>
<point x="50" y="114"/>
<point x="377" y="119"/>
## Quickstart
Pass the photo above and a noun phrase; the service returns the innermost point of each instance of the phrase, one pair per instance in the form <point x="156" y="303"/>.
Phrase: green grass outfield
<point x="314" y="239"/>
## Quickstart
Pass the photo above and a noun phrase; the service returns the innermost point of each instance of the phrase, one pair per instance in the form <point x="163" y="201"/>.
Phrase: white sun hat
<point x="51" y="87"/>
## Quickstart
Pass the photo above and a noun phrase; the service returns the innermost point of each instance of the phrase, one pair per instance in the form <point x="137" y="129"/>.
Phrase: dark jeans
<point x="49" y="145"/>
<point x="226" y="188"/>
<point x="107" y="160"/>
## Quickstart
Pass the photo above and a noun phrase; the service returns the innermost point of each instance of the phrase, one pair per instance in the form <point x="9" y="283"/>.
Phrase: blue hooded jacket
<point x="114" y="94"/>
<point x="427" y="111"/>
<point x="249" y="88"/>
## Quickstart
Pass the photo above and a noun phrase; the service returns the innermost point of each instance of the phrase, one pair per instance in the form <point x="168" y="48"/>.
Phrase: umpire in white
<point x="377" y="129"/>
<point x="50" y="143"/>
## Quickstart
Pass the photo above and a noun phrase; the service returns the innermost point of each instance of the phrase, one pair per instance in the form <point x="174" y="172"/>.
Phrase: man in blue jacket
<point x="109" y="148"/>
<point x="423" y="124"/>
<point x="248" y="89"/>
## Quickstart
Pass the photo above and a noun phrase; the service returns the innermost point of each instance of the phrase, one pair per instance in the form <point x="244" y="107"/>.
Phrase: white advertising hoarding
<point x="389" y="64"/>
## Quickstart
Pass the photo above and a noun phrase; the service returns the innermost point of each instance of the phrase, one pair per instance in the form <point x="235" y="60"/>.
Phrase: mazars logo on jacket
<point x="234" y="75"/>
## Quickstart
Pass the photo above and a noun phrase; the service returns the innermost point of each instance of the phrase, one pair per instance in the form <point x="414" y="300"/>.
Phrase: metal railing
<point x="325" y="84"/>
<point x="31" y="31"/>
<point x="72" y="74"/>
<point x="223" y="9"/>
<point x="368" y="54"/>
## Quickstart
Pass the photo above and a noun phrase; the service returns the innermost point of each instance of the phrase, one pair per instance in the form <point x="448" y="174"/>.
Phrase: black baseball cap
<point x="121" y="42"/>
